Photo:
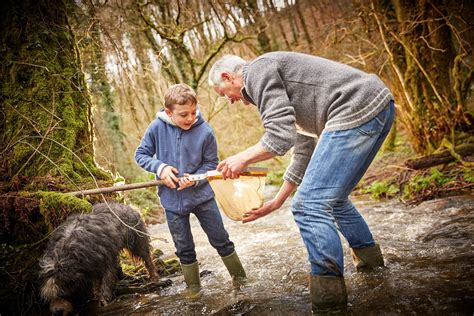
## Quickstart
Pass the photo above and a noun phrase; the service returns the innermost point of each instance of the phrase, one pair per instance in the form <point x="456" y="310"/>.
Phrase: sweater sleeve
<point x="145" y="155"/>
<point x="266" y="87"/>
<point x="209" y="156"/>
<point x="301" y="155"/>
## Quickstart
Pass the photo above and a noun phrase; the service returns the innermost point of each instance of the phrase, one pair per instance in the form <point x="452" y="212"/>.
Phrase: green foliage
<point x="381" y="189"/>
<point x="420" y="183"/>
<point x="468" y="174"/>
<point x="275" y="177"/>
<point x="144" y="199"/>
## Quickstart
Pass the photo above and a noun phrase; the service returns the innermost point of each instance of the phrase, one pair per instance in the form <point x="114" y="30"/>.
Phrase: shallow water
<point x="428" y="250"/>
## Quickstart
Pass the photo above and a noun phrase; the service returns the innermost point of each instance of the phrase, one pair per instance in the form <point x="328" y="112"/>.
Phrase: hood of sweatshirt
<point x="165" y="118"/>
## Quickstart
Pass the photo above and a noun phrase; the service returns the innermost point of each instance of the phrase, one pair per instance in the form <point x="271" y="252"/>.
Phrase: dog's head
<point x="62" y="286"/>
<point x="60" y="307"/>
<point x="50" y="292"/>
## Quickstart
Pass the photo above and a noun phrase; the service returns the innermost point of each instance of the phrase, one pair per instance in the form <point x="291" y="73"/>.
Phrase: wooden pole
<point x="249" y="171"/>
<point x="124" y="187"/>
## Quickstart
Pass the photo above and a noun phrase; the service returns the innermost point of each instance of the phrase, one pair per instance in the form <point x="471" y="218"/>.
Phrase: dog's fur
<point x="81" y="261"/>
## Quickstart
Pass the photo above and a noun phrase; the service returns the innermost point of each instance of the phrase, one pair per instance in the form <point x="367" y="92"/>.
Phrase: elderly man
<point x="335" y="118"/>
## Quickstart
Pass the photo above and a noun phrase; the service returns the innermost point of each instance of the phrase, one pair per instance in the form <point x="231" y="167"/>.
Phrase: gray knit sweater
<point x="298" y="96"/>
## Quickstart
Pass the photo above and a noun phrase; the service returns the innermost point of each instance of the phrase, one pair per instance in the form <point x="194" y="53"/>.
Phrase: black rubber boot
<point x="367" y="258"/>
<point x="328" y="294"/>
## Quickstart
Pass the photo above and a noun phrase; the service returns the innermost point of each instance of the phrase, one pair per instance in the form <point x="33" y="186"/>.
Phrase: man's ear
<point x="226" y="76"/>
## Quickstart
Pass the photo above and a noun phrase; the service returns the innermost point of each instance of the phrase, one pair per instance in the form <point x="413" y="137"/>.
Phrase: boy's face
<point x="183" y="115"/>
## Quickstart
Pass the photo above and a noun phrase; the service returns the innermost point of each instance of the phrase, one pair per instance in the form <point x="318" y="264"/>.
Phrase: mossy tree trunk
<point x="46" y="140"/>
<point x="433" y="64"/>
<point x="45" y="124"/>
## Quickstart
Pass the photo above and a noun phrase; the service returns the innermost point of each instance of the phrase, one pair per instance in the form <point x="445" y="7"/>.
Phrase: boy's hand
<point x="184" y="182"/>
<point x="169" y="177"/>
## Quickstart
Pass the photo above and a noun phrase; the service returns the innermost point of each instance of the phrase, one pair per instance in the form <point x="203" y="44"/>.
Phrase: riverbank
<point x="390" y="177"/>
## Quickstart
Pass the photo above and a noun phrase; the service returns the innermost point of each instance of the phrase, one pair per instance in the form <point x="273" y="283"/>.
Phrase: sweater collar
<point x="246" y="95"/>
<point x="244" y="71"/>
<point x="243" y="91"/>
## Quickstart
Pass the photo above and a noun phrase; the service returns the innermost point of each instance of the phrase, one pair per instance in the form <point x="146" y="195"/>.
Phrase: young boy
<point x="176" y="144"/>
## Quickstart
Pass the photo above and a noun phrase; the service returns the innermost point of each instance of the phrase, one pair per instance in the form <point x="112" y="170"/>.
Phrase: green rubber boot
<point x="367" y="258"/>
<point x="191" y="277"/>
<point x="328" y="294"/>
<point x="234" y="266"/>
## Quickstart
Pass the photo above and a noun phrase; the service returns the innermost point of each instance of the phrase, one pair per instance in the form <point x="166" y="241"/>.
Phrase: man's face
<point x="230" y="88"/>
<point x="183" y="115"/>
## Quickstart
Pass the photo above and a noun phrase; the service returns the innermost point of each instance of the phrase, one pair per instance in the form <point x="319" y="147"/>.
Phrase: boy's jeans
<point x="321" y="205"/>
<point x="211" y="222"/>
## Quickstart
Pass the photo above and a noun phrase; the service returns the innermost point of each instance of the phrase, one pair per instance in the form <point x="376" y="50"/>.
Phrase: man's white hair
<point x="227" y="63"/>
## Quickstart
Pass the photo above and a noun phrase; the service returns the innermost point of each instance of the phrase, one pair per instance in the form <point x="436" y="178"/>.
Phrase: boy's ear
<point x="168" y="112"/>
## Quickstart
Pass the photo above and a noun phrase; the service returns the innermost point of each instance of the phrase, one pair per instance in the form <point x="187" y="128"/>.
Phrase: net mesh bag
<point x="238" y="196"/>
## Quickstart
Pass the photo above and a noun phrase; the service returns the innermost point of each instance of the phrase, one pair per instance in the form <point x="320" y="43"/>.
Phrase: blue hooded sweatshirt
<point x="190" y="151"/>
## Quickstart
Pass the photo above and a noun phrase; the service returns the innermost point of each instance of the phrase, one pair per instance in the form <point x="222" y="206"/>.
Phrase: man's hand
<point x="232" y="166"/>
<point x="264" y="210"/>
<point x="184" y="182"/>
<point x="168" y="175"/>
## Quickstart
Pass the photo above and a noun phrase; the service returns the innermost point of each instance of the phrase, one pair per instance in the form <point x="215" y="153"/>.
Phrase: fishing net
<point x="238" y="196"/>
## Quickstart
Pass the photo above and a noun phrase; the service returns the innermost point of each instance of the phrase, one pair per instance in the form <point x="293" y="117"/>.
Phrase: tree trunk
<point x="291" y="20"/>
<point x="46" y="140"/>
<point x="300" y="13"/>
<point x="440" y="158"/>
<point x="431" y="72"/>
<point x="46" y="125"/>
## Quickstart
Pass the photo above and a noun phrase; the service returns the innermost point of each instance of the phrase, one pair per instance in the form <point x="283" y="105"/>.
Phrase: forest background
<point x="81" y="81"/>
<point x="133" y="51"/>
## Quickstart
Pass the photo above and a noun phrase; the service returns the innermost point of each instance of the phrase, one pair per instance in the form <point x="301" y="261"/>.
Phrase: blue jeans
<point x="321" y="205"/>
<point x="211" y="222"/>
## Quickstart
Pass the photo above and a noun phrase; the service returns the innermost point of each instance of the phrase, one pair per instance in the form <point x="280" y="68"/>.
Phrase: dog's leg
<point x="109" y="282"/>
<point x="141" y="248"/>
<point x="151" y="268"/>
<point x="97" y="289"/>
<point x="142" y="251"/>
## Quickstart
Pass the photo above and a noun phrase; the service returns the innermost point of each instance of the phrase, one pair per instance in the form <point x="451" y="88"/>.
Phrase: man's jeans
<point x="211" y="222"/>
<point x="321" y="205"/>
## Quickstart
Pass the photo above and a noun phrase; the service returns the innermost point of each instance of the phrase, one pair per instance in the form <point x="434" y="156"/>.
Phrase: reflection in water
<point x="428" y="252"/>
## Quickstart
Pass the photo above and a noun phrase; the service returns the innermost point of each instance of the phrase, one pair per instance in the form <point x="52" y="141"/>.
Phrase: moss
<point x="46" y="114"/>
<point x="28" y="217"/>
<point x="55" y="207"/>
<point x="164" y="267"/>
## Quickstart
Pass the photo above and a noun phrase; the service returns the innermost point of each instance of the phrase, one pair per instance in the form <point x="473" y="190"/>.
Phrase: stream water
<point x="428" y="251"/>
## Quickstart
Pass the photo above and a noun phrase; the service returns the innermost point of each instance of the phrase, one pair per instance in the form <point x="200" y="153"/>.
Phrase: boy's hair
<point x="180" y="94"/>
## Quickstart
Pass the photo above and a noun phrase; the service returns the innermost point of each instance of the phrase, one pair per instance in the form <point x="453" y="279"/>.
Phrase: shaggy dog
<point x="81" y="261"/>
